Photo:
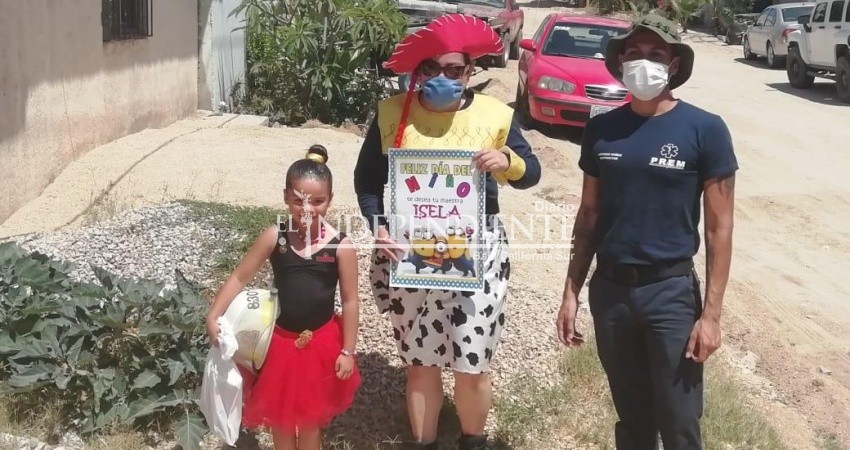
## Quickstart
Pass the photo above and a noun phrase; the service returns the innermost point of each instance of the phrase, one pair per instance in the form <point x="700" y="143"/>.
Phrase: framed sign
<point x="437" y="214"/>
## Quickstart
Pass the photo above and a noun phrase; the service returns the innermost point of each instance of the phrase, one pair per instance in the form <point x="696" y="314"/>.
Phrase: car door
<point x="769" y="29"/>
<point x="527" y="58"/>
<point x="816" y="37"/>
<point x="507" y="15"/>
<point x="846" y="25"/>
<point x="844" y="33"/>
<point x="515" y="16"/>
<point x="834" y="23"/>
<point x="756" y="34"/>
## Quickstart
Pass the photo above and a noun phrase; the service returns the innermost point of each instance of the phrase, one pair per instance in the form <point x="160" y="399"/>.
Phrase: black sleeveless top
<point x="306" y="286"/>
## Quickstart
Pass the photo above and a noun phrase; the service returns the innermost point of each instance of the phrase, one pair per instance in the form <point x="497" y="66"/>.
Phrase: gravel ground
<point x="149" y="242"/>
<point x="152" y="242"/>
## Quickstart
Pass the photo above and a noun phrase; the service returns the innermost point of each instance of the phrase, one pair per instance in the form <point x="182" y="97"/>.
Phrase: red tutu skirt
<point x="298" y="387"/>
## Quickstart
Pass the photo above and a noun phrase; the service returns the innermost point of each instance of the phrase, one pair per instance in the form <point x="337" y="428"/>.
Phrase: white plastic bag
<point x="221" y="389"/>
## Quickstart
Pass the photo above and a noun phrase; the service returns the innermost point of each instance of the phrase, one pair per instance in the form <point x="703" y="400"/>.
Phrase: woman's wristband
<point x="348" y="353"/>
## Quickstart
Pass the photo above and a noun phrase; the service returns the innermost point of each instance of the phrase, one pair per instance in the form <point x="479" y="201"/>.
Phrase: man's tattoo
<point x="727" y="186"/>
<point x="582" y="250"/>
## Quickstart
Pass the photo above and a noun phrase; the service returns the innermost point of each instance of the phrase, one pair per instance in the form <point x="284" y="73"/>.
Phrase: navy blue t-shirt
<point x="651" y="172"/>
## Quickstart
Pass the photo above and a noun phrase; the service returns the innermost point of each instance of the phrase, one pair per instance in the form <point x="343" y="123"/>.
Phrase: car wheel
<point x="842" y="79"/>
<point x="798" y="74"/>
<point x="748" y="53"/>
<point x="502" y="60"/>
<point x="515" y="50"/>
<point x="772" y="61"/>
<point x="523" y="115"/>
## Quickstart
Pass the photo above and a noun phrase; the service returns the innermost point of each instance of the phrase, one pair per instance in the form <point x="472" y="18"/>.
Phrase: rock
<point x="148" y="242"/>
<point x="21" y="443"/>
<point x="748" y="362"/>
<point x="824" y="370"/>
<point x="71" y="441"/>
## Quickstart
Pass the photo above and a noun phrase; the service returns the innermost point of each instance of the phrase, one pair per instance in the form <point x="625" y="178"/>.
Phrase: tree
<point x="307" y="58"/>
<point x="685" y="10"/>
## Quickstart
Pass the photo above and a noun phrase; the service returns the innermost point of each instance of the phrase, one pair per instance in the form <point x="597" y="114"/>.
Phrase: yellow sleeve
<point x="516" y="167"/>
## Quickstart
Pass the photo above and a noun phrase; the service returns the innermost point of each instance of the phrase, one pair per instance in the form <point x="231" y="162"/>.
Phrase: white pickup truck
<point x="822" y="48"/>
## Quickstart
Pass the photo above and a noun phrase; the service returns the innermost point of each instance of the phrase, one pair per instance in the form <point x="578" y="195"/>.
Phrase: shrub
<point x="125" y="353"/>
<point x="308" y="59"/>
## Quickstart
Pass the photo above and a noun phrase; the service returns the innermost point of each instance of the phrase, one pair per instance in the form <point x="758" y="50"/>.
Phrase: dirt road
<point x="787" y="308"/>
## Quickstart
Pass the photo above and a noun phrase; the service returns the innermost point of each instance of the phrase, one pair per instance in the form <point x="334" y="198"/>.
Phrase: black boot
<point x="473" y="442"/>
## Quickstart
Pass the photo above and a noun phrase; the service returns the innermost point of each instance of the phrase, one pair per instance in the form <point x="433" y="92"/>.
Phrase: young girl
<point x="309" y="375"/>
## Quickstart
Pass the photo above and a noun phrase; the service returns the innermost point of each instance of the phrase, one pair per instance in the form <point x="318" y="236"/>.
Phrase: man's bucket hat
<point x="664" y="28"/>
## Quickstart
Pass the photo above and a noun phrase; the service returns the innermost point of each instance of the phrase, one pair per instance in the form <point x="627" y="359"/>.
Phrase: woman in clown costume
<point x="437" y="329"/>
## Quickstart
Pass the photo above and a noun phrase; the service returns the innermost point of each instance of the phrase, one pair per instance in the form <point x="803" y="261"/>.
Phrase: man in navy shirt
<point x="646" y="167"/>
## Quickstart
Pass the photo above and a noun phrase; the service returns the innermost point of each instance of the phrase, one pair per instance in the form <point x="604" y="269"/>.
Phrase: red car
<point x="562" y="74"/>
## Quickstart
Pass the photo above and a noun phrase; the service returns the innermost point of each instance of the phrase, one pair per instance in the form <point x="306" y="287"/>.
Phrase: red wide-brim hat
<point x="451" y="33"/>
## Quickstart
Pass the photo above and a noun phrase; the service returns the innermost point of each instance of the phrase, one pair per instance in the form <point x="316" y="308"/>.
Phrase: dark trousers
<point x="642" y="333"/>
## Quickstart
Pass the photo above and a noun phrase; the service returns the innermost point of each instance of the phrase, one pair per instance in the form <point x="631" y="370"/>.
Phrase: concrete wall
<point x="221" y="53"/>
<point x="63" y="91"/>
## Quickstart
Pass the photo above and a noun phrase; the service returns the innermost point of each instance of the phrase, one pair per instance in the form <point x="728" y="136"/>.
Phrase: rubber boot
<point x="473" y="442"/>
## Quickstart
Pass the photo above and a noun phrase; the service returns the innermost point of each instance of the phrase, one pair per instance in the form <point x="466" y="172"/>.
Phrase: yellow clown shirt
<point x="482" y="123"/>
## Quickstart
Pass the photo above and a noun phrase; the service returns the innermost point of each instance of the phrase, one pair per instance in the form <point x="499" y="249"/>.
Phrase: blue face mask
<point x="441" y="91"/>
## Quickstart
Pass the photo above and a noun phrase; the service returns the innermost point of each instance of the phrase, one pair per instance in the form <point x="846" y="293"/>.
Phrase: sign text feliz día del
<point x="430" y="210"/>
<point x="439" y="169"/>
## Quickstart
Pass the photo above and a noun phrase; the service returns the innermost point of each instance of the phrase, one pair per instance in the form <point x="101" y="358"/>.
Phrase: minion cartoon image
<point x="459" y="254"/>
<point x="422" y="248"/>
<point x="441" y="254"/>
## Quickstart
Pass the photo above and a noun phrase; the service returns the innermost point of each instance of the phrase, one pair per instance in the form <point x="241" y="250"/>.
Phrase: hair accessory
<point x="315" y="157"/>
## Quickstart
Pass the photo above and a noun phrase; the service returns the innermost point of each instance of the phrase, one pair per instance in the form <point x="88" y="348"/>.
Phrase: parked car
<point x="733" y="29"/>
<point x="822" y="48"/>
<point x="562" y="74"/>
<point x="505" y="16"/>
<point x="769" y="35"/>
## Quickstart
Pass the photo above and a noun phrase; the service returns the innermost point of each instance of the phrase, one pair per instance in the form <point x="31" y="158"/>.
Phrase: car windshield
<point x="579" y="40"/>
<point x="791" y="14"/>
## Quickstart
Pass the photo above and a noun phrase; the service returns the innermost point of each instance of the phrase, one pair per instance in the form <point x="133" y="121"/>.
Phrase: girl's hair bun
<point x="312" y="165"/>
<point x="317" y="153"/>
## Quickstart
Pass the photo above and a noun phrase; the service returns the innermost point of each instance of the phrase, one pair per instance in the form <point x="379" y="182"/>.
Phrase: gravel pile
<point x="152" y="242"/>
<point x="149" y="242"/>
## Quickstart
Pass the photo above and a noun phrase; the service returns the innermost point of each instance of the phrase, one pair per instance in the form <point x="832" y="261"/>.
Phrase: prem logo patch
<point x="325" y="257"/>
<point x="667" y="158"/>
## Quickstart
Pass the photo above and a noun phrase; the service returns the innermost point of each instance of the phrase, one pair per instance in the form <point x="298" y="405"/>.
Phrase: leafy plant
<point x="309" y="59"/>
<point x="123" y="352"/>
<point x="609" y="6"/>
<point x="640" y="7"/>
<point x="683" y="11"/>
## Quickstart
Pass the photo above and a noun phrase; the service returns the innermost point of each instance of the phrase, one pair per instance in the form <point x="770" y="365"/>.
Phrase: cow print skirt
<point x="455" y="329"/>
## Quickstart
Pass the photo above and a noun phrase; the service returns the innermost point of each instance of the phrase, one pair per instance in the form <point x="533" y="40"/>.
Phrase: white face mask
<point x="645" y="79"/>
